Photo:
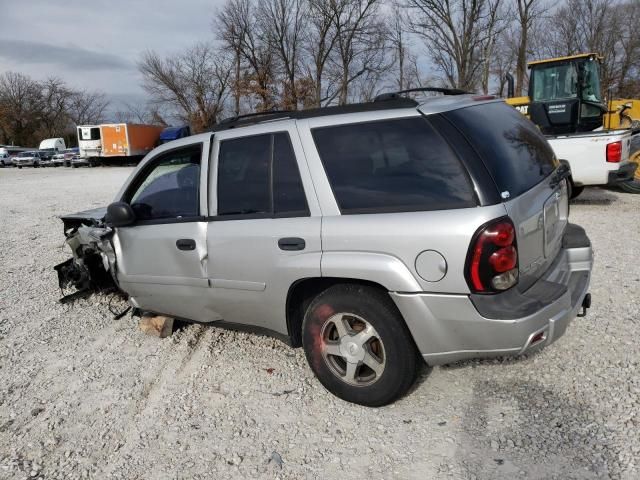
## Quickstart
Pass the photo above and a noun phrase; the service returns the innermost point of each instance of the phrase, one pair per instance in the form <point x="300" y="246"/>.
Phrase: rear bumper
<point x="449" y="328"/>
<point x="623" y="174"/>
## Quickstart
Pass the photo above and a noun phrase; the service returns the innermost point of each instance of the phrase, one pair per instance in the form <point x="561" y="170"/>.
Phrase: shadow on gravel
<point x="492" y="362"/>
<point x="595" y="196"/>
<point x="535" y="429"/>
<point x="423" y="375"/>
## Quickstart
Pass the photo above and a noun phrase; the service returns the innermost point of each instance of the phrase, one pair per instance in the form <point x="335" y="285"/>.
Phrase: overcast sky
<point x="94" y="44"/>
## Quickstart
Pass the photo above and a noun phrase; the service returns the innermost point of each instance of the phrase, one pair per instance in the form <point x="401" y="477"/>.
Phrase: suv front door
<point x="162" y="257"/>
<point x="264" y="233"/>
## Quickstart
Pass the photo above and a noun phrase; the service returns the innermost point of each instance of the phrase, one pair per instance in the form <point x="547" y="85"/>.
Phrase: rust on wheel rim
<point x="352" y="349"/>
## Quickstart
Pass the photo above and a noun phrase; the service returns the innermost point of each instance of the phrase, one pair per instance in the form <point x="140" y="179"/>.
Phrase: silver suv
<point x="372" y="235"/>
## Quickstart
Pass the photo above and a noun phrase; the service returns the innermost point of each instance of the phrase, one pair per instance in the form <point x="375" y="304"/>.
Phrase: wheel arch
<point x="302" y="292"/>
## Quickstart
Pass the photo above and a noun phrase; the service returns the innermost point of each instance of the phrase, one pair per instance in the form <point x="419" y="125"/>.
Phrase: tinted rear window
<point x="392" y="166"/>
<point x="513" y="149"/>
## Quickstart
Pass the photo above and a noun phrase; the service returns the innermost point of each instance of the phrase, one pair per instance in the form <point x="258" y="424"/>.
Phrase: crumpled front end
<point x="93" y="265"/>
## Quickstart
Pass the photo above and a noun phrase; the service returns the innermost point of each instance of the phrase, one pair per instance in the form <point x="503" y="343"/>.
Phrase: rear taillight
<point x="614" y="152"/>
<point x="492" y="261"/>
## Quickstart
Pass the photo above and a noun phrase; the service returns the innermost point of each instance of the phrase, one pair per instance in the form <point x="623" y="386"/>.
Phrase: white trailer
<point x="89" y="141"/>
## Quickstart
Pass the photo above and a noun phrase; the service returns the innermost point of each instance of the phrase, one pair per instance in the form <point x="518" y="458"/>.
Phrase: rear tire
<point x="575" y="191"/>
<point x="358" y="346"/>
<point x="633" y="186"/>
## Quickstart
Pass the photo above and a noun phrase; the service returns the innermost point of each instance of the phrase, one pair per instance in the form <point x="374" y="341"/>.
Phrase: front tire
<point x="358" y="346"/>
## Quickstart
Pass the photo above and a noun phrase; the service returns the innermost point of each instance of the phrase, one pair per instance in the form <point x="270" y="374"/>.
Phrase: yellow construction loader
<point x="565" y="98"/>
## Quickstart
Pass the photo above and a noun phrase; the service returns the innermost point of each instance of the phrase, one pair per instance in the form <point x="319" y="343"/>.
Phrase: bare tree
<point x="456" y="33"/>
<point x="56" y="98"/>
<point x="629" y="40"/>
<point x="229" y="27"/>
<point x="240" y="26"/>
<point x="133" y="113"/>
<point x="495" y="25"/>
<point x="404" y="61"/>
<point x="600" y="26"/>
<point x="361" y="43"/>
<point x="504" y="59"/>
<point x="21" y="106"/>
<point x="284" y="22"/>
<point x="320" y="43"/>
<point x="528" y="12"/>
<point x="87" y="108"/>
<point x="195" y="83"/>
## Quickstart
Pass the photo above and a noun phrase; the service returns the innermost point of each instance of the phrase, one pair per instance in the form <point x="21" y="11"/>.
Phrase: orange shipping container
<point x="128" y="139"/>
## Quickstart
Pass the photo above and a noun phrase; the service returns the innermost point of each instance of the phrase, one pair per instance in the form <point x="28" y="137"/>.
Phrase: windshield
<point x="26" y="154"/>
<point x="590" y="81"/>
<point x="555" y="82"/>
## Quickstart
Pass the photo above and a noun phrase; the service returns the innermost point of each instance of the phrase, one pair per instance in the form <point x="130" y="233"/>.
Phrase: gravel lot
<point x="85" y="396"/>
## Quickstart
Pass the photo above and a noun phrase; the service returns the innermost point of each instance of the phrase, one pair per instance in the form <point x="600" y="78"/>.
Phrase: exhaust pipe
<point x="510" y="85"/>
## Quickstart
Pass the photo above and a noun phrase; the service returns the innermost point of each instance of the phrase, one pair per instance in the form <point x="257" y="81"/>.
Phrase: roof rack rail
<point x="268" y="113"/>
<point x="258" y="117"/>
<point x="394" y="95"/>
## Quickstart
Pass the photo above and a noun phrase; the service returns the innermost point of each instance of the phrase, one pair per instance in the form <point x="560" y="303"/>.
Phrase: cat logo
<point x="523" y="109"/>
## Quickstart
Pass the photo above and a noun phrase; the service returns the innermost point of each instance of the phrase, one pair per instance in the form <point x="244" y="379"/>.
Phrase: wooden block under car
<point x="158" y="325"/>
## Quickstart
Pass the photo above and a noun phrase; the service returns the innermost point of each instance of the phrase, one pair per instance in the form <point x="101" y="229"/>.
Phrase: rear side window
<point x="392" y="166"/>
<point x="243" y="176"/>
<point x="515" y="152"/>
<point x="259" y="175"/>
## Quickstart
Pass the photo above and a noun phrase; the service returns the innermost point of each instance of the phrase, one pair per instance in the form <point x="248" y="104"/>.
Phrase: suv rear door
<point x="521" y="163"/>
<point x="264" y="233"/>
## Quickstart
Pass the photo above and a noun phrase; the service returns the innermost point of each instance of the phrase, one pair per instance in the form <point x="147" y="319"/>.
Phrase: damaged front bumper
<point x="93" y="265"/>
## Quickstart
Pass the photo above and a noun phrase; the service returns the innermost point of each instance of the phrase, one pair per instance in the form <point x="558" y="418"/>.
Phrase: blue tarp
<point x="173" y="133"/>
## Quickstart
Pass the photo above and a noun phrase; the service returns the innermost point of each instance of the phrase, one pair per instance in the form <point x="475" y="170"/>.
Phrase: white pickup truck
<point x="595" y="158"/>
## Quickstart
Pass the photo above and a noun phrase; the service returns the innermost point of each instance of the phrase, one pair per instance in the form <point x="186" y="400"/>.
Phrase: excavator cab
<point x="564" y="94"/>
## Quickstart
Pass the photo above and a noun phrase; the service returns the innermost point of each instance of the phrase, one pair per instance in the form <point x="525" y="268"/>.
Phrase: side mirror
<point x="120" y="214"/>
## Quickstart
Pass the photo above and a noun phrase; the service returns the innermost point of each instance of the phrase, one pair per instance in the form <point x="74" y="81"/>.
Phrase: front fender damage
<point x="93" y="265"/>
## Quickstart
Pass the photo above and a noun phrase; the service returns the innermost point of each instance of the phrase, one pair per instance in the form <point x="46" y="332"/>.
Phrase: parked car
<point x="28" y="159"/>
<point x="58" y="160"/>
<point x="78" y="161"/>
<point x="374" y="236"/>
<point x="6" y="160"/>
